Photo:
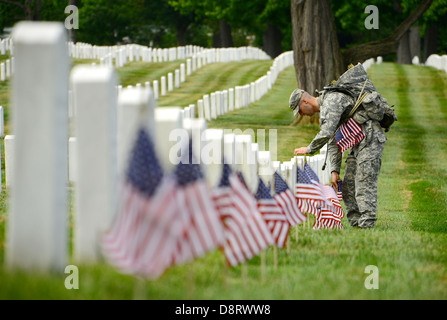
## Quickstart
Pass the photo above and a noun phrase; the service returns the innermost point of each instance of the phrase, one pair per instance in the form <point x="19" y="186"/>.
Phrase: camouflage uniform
<point x="364" y="160"/>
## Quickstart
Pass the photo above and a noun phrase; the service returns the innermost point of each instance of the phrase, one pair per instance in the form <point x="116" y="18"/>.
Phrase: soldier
<point x="364" y="160"/>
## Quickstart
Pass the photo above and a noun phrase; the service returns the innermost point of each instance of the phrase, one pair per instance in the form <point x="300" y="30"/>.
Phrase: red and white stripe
<point x="275" y="219"/>
<point x="203" y="229"/>
<point x="143" y="237"/>
<point x="288" y="204"/>
<point x="246" y="233"/>
<point x="331" y="214"/>
<point x="352" y="135"/>
<point x="309" y="197"/>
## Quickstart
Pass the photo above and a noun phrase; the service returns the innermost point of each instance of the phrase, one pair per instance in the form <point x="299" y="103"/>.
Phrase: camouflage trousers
<point x="361" y="177"/>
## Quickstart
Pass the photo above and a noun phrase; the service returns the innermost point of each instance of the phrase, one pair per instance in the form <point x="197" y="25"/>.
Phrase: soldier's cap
<point x="294" y="101"/>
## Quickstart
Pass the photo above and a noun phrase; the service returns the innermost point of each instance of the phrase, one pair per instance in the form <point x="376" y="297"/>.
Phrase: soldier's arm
<point x="334" y="105"/>
<point x="335" y="156"/>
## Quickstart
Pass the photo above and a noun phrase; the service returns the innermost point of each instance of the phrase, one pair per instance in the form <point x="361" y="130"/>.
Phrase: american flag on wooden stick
<point x="287" y="201"/>
<point x="308" y="192"/>
<point x="273" y="215"/>
<point x="330" y="215"/>
<point x="246" y="233"/>
<point x="349" y="134"/>
<point x="203" y="229"/>
<point x="339" y="190"/>
<point x="143" y="236"/>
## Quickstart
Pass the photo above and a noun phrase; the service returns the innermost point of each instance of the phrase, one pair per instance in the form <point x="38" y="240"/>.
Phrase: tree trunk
<point x="430" y="41"/>
<point x="181" y="35"/>
<point x="403" y="50"/>
<point x="217" y="42"/>
<point x="317" y="55"/>
<point x="415" y="42"/>
<point x="226" y="39"/>
<point x="316" y="51"/>
<point x="272" y="41"/>
<point x="72" y="34"/>
<point x="388" y="45"/>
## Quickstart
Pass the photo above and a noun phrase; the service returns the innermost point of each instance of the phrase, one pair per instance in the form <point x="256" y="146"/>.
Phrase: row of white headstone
<point x="120" y="55"/>
<point x="437" y="61"/>
<point x="6" y="46"/>
<point x="220" y="102"/>
<point x="106" y="123"/>
<point x="7" y="67"/>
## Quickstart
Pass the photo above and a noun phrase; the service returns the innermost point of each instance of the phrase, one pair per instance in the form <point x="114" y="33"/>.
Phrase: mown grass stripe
<point x="426" y="152"/>
<point x="215" y="77"/>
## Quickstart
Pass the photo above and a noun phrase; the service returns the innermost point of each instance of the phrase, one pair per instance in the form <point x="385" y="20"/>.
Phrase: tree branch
<point x="14" y="3"/>
<point x="388" y="45"/>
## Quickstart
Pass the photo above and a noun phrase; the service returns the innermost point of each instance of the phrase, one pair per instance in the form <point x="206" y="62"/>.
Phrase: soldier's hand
<point x="301" y="151"/>
<point x="334" y="179"/>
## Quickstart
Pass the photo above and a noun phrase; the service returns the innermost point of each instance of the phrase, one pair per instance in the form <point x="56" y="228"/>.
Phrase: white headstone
<point x="195" y="128"/>
<point x="188" y="67"/>
<point x="8" y="68"/>
<point x="9" y="159"/>
<point x="2" y="72"/>
<point x="170" y="82"/>
<point x="177" y="78"/>
<point x="265" y="166"/>
<point x="2" y="123"/>
<point x="37" y="235"/>
<point x="163" y="85"/>
<point x="200" y="109"/>
<point x="182" y="73"/>
<point x="155" y="89"/>
<point x="213" y="106"/>
<point x="225" y="101"/>
<point x="231" y="99"/>
<point x="167" y="144"/>
<point x="95" y="99"/>
<point x="415" y="60"/>
<point x="211" y="155"/>
<point x="192" y="110"/>
<point x="207" y="107"/>
<point x="72" y="159"/>
<point x="245" y="159"/>
<point x="135" y="108"/>
<point x="218" y="95"/>
<point x="230" y="150"/>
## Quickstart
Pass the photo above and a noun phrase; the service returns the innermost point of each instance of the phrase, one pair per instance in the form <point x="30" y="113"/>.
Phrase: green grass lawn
<point x="408" y="245"/>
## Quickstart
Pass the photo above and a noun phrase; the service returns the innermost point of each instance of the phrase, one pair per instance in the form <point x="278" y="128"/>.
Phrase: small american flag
<point x="273" y="215"/>
<point x="308" y="193"/>
<point x="339" y="190"/>
<point x="349" y="134"/>
<point x="246" y="233"/>
<point x="143" y="235"/>
<point x="203" y="229"/>
<point x="286" y="200"/>
<point x="330" y="215"/>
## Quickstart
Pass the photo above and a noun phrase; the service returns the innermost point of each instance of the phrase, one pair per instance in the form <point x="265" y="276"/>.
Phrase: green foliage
<point x="350" y="17"/>
<point x="104" y="22"/>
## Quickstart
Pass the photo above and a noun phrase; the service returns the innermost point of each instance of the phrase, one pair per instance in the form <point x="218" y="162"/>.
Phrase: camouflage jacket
<point x="334" y="110"/>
